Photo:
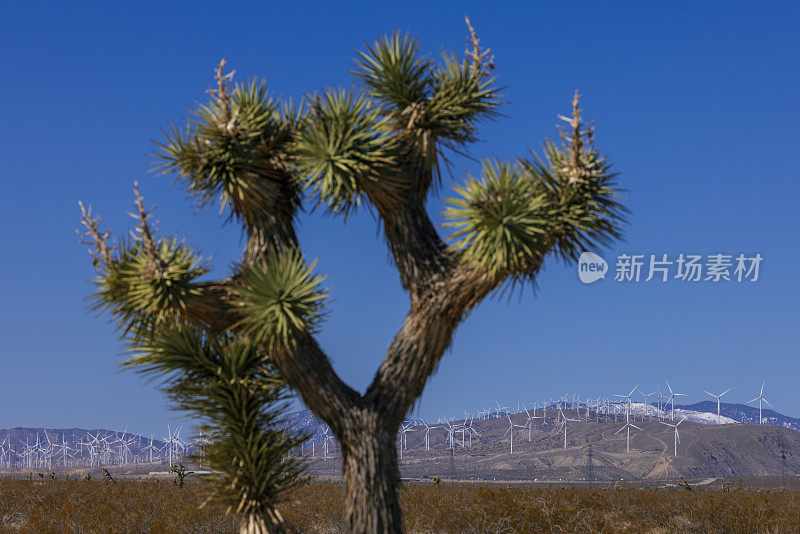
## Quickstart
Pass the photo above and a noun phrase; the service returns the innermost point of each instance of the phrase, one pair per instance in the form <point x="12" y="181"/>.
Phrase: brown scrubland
<point x="159" y="506"/>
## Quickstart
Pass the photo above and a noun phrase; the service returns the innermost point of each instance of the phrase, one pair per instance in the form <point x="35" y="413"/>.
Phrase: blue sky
<point x="694" y="103"/>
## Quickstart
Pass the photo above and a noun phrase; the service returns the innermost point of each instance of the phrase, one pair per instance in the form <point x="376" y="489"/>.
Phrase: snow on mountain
<point x="648" y="410"/>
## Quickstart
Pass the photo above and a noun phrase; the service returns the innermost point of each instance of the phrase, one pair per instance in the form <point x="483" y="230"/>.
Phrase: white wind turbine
<point x="563" y="422"/>
<point x="760" y="399"/>
<point x="628" y="400"/>
<point x="718" y="397"/>
<point x="451" y="430"/>
<point x="406" y="427"/>
<point x="627" y="427"/>
<point x="329" y="439"/>
<point x="529" y="422"/>
<point x="471" y="431"/>
<point x="510" y="430"/>
<point x="671" y="399"/>
<point x="502" y="410"/>
<point x="660" y="402"/>
<point x="647" y="404"/>
<point x="428" y="434"/>
<point x="677" y="434"/>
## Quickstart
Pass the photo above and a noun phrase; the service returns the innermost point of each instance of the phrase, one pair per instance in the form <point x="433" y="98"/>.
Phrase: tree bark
<point x="371" y="480"/>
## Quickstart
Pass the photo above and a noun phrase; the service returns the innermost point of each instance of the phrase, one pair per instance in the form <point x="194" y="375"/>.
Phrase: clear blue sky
<point x="696" y="104"/>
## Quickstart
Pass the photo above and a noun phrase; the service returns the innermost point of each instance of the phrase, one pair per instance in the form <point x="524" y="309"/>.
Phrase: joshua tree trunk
<point x="371" y="479"/>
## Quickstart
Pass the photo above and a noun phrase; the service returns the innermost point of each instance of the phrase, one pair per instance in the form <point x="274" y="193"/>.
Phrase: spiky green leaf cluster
<point x="585" y="213"/>
<point x="234" y="150"/>
<point x="461" y="98"/>
<point x="499" y="220"/>
<point x="232" y="388"/>
<point x="393" y="72"/>
<point x="511" y="218"/>
<point x="143" y="290"/>
<point x="341" y="147"/>
<point x="280" y="299"/>
<point x="445" y="98"/>
<point x="429" y="106"/>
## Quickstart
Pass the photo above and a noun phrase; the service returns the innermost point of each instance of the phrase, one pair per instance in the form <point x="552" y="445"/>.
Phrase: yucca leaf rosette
<point x="498" y="220"/>
<point x="281" y="300"/>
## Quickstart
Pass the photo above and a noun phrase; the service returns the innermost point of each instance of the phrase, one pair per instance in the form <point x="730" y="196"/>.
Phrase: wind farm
<point x="536" y="440"/>
<point x="549" y="440"/>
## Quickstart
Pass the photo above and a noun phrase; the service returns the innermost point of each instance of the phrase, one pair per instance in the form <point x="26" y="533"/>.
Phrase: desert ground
<point x="159" y="506"/>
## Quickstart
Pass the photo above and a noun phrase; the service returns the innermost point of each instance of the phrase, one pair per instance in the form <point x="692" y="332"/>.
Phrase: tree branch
<point x="310" y="372"/>
<point x="420" y="343"/>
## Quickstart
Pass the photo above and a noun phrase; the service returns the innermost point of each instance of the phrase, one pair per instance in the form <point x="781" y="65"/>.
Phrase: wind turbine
<point x="672" y="396"/>
<point x="719" y="397"/>
<point x="403" y="438"/>
<point x="647" y="404"/>
<point x="563" y="422"/>
<point x="677" y="434"/>
<point x="529" y="422"/>
<point x="510" y="430"/>
<point x="427" y="435"/>
<point x="502" y="410"/>
<point x="760" y="399"/>
<point x="628" y="398"/>
<point x="328" y="439"/>
<point x="660" y="402"/>
<point x="627" y="427"/>
<point x="468" y="428"/>
<point x="450" y="431"/>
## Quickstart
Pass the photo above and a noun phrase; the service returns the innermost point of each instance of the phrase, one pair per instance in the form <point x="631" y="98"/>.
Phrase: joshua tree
<point x="383" y="144"/>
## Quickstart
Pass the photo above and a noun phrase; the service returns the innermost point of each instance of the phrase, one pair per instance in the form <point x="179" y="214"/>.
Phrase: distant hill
<point x="744" y="413"/>
<point x="707" y="449"/>
<point x="594" y="450"/>
<point x="700" y="412"/>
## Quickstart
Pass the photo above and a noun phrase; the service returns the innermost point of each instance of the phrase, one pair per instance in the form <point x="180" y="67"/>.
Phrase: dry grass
<point x="95" y="506"/>
<point x="159" y="506"/>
